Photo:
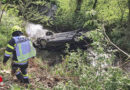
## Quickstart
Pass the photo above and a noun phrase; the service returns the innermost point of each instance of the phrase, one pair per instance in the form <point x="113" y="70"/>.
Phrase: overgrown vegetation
<point x="91" y="69"/>
<point x="8" y="21"/>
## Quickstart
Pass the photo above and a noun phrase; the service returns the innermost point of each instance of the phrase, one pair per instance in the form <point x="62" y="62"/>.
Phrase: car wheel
<point x="43" y="43"/>
<point x="49" y="33"/>
<point x="76" y="37"/>
<point x="34" y="44"/>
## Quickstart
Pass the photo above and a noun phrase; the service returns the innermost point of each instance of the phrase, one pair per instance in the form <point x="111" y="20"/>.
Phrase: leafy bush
<point x="67" y="18"/>
<point x="92" y="69"/>
<point x="9" y="20"/>
<point x="3" y="40"/>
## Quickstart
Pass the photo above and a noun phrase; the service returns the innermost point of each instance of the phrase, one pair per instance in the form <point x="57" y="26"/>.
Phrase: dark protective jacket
<point x="10" y="51"/>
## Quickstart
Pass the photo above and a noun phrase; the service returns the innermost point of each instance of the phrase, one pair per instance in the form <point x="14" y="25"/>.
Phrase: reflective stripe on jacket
<point x="9" y="50"/>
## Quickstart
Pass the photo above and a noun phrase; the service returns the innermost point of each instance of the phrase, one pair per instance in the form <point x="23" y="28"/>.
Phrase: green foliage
<point x="67" y="19"/>
<point x="118" y="35"/>
<point x="34" y="11"/>
<point x="4" y="1"/>
<point x="111" y="10"/>
<point x="115" y="14"/>
<point x="90" y="69"/>
<point x="9" y="20"/>
<point x="83" y="74"/>
<point x="3" y="41"/>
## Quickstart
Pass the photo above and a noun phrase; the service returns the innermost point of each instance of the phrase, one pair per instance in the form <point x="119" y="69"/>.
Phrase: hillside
<point x="103" y="64"/>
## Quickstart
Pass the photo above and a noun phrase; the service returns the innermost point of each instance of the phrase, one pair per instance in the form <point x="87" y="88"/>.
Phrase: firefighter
<point x="21" y="49"/>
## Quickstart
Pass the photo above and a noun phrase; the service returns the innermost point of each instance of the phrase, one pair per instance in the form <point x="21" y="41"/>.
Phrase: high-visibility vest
<point x="24" y="48"/>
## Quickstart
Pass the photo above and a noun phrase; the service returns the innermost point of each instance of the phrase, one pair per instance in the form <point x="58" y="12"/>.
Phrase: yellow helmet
<point x="16" y="28"/>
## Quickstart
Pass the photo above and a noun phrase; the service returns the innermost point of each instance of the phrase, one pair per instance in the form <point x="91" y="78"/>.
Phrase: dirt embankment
<point x="42" y="77"/>
<point x="39" y="76"/>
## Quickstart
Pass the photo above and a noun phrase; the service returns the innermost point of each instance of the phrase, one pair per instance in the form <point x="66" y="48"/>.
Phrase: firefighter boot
<point x="26" y="80"/>
<point x="19" y="76"/>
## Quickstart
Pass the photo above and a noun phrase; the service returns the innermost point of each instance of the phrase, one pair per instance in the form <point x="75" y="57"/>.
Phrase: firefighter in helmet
<point x="21" y="49"/>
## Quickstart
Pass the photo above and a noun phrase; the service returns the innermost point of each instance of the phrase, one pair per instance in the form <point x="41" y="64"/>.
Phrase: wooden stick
<point x="114" y="44"/>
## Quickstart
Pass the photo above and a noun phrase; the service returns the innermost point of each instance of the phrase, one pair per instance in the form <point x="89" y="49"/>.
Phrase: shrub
<point x="92" y="69"/>
<point x="9" y="20"/>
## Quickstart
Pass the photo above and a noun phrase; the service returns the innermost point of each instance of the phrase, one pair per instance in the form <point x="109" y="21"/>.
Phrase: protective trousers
<point x="20" y="70"/>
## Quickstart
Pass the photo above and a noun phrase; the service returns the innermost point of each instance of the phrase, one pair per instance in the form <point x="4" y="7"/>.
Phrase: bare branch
<point x="113" y="43"/>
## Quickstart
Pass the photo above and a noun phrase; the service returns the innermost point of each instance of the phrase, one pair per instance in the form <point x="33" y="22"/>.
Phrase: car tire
<point x="34" y="44"/>
<point x="76" y="37"/>
<point x="43" y="43"/>
<point x="49" y="33"/>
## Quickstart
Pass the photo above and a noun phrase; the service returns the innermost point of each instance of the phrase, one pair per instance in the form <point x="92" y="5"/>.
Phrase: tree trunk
<point x="2" y="11"/>
<point x="129" y="11"/>
<point x="0" y="5"/>
<point x="95" y="3"/>
<point x="128" y="29"/>
<point x="79" y="3"/>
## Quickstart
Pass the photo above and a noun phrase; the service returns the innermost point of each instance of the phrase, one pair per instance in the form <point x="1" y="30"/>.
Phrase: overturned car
<point x="59" y="40"/>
